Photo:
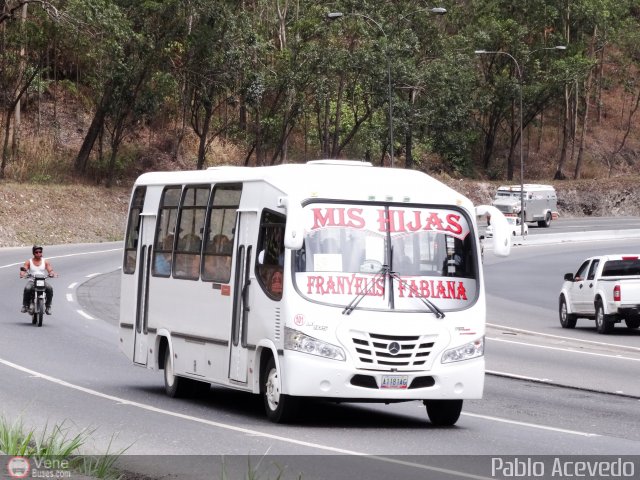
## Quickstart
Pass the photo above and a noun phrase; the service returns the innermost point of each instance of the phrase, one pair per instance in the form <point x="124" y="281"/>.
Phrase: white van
<point x="540" y="202"/>
<point x="331" y="279"/>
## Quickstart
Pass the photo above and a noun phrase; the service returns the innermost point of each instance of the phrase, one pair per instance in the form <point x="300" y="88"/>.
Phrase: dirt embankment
<point x="55" y="214"/>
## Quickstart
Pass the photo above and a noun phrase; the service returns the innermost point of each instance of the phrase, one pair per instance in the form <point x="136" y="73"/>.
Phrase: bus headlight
<point x="464" y="352"/>
<point x="298" y="341"/>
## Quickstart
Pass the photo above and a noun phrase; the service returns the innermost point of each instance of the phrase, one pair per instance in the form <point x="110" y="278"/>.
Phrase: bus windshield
<point x="393" y="256"/>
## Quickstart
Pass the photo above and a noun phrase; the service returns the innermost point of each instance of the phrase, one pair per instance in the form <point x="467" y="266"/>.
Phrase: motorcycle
<point x="38" y="298"/>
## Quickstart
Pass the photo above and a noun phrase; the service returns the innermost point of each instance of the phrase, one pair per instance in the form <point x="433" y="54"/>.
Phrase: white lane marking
<point x="91" y="275"/>
<point x="65" y="256"/>
<point x="532" y="425"/>
<point x="571" y="339"/>
<point x="73" y="285"/>
<point x="88" y="317"/>
<point x="246" y="431"/>
<point x="520" y="377"/>
<point x="69" y="297"/>
<point x="568" y="350"/>
<point x="225" y="426"/>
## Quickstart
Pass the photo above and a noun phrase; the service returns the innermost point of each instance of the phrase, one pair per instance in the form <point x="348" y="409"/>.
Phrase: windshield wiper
<point x="383" y="272"/>
<point x="434" y="309"/>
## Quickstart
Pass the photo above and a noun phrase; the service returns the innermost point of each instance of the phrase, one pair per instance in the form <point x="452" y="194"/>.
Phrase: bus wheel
<point x="175" y="386"/>
<point x="280" y="408"/>
<point x="443" y="413"/>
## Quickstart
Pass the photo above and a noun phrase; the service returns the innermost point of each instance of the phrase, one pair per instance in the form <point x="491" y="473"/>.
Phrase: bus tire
<point x="174" y="386"/>
<point x="280" y="408"/>
<point x="443" y="413"/>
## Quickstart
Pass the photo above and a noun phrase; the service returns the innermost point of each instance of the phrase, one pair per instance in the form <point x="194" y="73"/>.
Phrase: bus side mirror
<point x="501" y="230"/>
<point x="294" y="229"/>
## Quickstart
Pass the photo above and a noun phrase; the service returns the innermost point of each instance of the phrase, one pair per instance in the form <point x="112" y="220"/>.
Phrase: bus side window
<point x="270" y="261"/>
<point x="217" y="259"/>
<point x="165" y="231"/>
<point x="133" y="230"/>
<point x="219" y="237"/>
<point x="191" y="217"/>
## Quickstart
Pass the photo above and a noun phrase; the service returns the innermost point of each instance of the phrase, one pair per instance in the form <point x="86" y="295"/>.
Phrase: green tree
<point x="23" y="40"/>
<point x="133" y="47"/>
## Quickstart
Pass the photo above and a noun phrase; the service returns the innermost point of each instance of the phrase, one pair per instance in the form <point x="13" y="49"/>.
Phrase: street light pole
<point x="486" y="52"/>
<point x="336" y="15"/>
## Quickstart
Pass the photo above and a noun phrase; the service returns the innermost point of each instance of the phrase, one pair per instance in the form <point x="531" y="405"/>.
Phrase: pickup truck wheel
<point x="632" y="322"/>
<point x="603" y="324"/>
<point x="567" y="320"/>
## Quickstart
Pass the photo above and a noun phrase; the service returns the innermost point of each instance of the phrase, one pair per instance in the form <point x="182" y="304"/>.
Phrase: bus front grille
<point x="392" y="351"/>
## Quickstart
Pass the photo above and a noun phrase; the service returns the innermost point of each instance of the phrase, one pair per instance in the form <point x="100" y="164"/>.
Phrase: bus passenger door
<point x="140" y="347"/>
<point x="246" y="229"/>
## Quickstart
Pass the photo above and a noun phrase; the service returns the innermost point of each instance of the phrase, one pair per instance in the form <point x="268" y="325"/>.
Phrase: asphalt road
<point x="71" y="371"/>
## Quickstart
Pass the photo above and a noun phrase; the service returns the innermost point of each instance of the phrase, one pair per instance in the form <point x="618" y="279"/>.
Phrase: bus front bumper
<point x="311" y="376"/>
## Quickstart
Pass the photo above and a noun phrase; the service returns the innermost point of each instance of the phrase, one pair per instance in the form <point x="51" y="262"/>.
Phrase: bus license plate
<point x="395" y="381"/>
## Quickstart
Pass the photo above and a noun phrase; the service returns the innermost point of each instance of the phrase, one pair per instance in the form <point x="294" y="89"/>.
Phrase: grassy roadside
<point x="56" y="451"/>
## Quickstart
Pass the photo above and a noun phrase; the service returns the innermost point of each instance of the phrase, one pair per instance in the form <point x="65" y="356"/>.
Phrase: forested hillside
<point x="103" y="89"/>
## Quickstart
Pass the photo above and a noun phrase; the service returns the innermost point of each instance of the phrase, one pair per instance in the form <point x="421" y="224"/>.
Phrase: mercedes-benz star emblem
<point x="394" y="348"/>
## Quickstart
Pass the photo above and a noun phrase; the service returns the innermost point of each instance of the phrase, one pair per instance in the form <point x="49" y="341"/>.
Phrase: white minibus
<point x="331" y="279"/>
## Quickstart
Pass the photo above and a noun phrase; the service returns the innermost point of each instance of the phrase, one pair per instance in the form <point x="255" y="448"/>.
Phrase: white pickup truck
<point x="605" y="288"/>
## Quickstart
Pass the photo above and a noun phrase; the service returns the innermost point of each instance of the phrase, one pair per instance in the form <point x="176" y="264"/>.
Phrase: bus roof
<point x="327" y="179"/>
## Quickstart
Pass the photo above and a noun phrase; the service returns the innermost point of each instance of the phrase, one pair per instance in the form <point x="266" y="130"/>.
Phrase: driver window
<point x="582" y="271"/>
<point x="270" y="261"/>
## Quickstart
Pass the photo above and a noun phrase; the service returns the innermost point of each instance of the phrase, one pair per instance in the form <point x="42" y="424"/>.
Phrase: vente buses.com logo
<point x="18" y="467"/>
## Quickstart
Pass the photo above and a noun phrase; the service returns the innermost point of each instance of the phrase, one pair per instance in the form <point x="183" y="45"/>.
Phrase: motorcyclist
<point x="34" y="265"/>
